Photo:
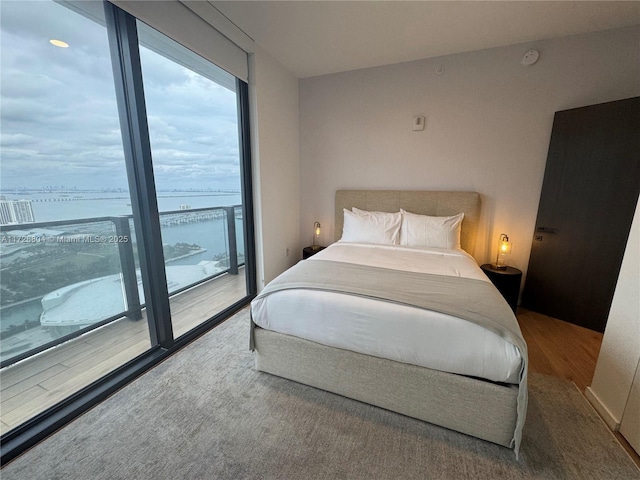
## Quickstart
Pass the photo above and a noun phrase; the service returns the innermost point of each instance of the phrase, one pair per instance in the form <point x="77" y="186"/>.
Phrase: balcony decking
<point x="35" y="384"/>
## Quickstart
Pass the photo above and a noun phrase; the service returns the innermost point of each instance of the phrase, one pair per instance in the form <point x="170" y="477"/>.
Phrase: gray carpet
<point x="206" y="414"/>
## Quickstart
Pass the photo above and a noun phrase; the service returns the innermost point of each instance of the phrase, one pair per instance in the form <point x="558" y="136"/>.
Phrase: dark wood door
<point x="589" y="194"/>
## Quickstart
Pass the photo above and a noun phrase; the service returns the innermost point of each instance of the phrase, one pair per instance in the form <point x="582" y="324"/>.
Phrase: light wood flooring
<point x="564" y="350"/>
<point x="33" y="385"/>
<point x="560" y="349"/>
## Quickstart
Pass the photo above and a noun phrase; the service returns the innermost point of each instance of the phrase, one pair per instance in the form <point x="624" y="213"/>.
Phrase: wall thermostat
<point x="530" y="57"/>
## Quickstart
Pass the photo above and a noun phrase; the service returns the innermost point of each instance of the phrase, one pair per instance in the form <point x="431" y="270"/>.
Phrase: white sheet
<point x="397" y="332"/>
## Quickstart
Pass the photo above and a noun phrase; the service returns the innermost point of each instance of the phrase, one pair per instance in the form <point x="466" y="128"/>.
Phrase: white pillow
<point x="362" y="213"/>
<point x="434" y="232"/>
<point x="381" y="228"/>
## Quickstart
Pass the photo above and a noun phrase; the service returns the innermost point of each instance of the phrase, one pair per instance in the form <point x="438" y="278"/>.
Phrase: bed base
<point x="475" y="407"/>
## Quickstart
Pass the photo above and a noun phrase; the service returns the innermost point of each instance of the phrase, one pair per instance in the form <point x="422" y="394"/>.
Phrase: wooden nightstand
<point x="507" y="282"/>
<point x="310" y="251"/>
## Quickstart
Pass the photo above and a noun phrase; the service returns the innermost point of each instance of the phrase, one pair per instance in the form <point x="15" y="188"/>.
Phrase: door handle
<point x="549" y="230"/>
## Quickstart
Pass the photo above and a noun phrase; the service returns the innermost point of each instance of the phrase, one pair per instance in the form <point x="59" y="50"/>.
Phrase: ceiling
<point x="313" y="38"/>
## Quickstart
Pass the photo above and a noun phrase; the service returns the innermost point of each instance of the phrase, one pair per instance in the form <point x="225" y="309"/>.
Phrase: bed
<point x="412" y="329"/>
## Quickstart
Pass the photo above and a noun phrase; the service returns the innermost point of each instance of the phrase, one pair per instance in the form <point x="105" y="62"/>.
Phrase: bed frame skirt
<point x="475" y="407"/>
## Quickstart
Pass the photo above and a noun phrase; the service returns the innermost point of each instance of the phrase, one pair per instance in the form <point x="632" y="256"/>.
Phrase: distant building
<point x="16" y="211"/>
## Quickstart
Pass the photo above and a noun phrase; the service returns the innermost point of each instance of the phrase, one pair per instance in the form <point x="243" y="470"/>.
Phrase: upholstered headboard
<point x="437" y="204"/>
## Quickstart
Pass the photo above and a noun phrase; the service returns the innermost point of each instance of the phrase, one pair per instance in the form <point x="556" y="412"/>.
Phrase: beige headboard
<point x="438" y="204"/>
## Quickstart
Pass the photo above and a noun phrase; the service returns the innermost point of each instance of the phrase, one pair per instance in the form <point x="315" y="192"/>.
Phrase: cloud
<point x="60" y="123"/>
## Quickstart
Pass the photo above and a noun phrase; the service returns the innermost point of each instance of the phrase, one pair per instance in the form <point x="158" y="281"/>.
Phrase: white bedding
<point x="397" y="332"/>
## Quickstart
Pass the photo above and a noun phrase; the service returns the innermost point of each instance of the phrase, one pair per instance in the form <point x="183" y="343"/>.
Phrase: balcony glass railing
<point x="61" y="279"/>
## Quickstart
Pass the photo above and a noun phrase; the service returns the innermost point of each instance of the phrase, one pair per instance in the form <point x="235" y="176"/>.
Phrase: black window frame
<point x="125" y="59"/>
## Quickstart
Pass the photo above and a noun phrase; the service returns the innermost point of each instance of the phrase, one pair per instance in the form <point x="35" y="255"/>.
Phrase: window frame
<point x="125" y="59"/>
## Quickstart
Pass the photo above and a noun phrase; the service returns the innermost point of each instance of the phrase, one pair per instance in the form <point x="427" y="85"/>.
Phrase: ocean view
<point x="198" y="242"/>
<point x="74" y="205"/>
<point x="88" y="122"/>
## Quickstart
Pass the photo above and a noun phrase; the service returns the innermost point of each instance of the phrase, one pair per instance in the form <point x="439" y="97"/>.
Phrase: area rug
<point x="205" y="413"/>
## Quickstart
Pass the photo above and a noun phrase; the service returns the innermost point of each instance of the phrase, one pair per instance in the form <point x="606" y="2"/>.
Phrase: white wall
<point x="620" y="350"/>
<point x="274" y="112"/>
<point x="488" y="124"/>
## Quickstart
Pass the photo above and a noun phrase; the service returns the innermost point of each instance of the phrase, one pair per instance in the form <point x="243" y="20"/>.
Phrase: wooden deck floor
<point x="35" y="384"/>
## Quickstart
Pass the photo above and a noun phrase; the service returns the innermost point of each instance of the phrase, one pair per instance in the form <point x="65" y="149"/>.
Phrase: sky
<point x="58" y="114"/>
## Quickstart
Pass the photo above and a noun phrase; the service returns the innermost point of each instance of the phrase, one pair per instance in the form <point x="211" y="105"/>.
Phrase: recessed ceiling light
<point x="59" y="43"/>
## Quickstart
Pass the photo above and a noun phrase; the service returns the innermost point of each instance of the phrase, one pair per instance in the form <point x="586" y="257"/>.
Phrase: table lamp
<point x="316" y="235"/>
<point x="504" y="247"/>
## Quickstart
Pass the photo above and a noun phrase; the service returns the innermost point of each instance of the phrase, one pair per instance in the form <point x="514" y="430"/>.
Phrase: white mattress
<point x="387" y="330"/>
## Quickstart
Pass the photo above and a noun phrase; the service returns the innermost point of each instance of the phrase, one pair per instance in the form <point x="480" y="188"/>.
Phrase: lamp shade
<point x="504" y="247"/>
<point x="316" y="234"/>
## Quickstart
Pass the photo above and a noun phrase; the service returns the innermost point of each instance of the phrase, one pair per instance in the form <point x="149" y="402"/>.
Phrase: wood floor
<point x="33" y="385"/>
<point x="560" y="349"/>
<point x="564" y="350"/>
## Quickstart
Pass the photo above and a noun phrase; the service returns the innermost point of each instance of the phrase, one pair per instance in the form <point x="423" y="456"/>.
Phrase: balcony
<point x="90" y="324"/>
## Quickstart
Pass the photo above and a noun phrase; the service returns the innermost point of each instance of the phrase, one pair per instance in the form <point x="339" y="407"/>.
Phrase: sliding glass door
<point x="125" y="202"/>
<point x="192" y="107"/>
<point x="67" y="251"/>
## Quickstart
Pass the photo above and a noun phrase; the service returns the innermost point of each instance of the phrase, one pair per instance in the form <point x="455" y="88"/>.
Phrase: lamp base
<point x="315" y="247"/>
<point x="495" y="266"/>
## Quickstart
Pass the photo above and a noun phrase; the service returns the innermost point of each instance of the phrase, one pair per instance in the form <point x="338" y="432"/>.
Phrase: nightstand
<point x="310" y="251"/>
<point x="507" y="282"/>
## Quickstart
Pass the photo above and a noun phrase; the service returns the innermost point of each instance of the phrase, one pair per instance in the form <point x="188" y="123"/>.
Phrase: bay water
<point x="210" y="235"/>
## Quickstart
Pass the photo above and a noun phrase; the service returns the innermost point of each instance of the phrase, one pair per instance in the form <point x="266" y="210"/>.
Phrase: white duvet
<point x="387" y="330"/>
